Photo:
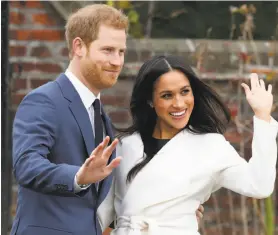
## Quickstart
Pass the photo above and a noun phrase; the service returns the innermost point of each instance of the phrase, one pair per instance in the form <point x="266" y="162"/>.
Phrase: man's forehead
<point x="109" y="30"/>
<point x="110" y="42"/>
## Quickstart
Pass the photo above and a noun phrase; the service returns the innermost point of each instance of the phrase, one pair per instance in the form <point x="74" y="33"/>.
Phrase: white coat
<point x="164" y="195"/>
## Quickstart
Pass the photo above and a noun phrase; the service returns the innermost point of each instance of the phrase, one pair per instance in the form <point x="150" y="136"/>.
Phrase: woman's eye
<point x="185" y="91"/>
<point x="166" y="96"/>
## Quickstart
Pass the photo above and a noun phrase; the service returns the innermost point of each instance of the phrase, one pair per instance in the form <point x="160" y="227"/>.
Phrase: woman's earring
<point x="151" y="104"/>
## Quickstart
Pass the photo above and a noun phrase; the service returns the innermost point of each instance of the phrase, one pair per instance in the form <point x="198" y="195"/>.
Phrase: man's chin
<point x="112" y="79"/>
<point x="109" y="84"/>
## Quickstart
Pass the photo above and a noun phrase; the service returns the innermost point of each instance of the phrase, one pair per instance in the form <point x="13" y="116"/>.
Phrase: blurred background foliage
<point x="183" y="19"/>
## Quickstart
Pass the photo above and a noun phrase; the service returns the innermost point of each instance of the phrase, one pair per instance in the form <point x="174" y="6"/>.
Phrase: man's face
<point x="104" y="58"/>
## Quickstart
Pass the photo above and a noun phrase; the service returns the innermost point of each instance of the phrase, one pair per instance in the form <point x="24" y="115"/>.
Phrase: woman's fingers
<point x="254" y="80"/>
<point x="269" y="90"/>
<point x="246" y="89"/>
<point x="262" y="84"/>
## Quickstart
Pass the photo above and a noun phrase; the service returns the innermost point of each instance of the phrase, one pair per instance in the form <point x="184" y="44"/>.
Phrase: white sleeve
<point x="106" y="211"/>
<point x="255" y="178"/>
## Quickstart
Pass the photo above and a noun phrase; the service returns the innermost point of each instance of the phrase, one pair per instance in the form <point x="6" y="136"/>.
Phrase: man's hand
<point x="95" y="167"/>
<point x="199" y="213"/>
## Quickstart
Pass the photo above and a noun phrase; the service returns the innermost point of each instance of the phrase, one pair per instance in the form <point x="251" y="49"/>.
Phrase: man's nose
<point x="116" y="60"/>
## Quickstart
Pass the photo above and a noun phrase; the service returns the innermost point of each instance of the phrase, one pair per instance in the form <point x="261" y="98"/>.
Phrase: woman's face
<point x="173" y="102"/>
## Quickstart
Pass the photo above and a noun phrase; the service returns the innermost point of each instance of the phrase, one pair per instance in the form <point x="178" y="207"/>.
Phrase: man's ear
<point x="78" y="47"/>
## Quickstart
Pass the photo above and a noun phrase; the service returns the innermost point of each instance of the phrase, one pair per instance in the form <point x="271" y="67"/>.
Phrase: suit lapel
<point x="82" y="118"/>
<point x="107" y="126"/>
<point x="79" y="112"/>
<point x="106" y="183"/>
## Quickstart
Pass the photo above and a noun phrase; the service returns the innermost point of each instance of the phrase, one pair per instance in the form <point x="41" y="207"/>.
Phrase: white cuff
<point x="78" y="188"/>
<point x="263" y="126"/>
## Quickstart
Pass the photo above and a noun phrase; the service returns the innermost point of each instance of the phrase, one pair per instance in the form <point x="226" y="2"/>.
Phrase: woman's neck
<point x="163" y="132"/>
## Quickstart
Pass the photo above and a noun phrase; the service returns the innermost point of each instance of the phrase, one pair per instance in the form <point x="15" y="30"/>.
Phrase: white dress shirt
<point x="88" y="99"/>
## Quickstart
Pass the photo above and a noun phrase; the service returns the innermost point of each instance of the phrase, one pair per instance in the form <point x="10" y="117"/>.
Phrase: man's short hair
<point x="85" y="23"/>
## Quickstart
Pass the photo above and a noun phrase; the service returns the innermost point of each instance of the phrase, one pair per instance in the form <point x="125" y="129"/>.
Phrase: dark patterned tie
<point x="98" y="128"/>
<point x="98" y="123"/>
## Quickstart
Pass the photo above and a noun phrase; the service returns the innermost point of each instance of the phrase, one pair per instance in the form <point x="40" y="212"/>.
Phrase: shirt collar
<point x="85" y="94"/>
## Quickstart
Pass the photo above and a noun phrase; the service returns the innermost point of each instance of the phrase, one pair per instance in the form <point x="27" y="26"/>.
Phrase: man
<point x="60" y="159"/>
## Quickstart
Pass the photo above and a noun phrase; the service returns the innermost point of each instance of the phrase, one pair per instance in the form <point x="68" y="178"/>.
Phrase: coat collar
<point x="160" y="171"/>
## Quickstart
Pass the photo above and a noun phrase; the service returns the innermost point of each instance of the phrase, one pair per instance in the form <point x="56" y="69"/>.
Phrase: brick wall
<point x="38" y="54"/>
<point x="37" y="47"/>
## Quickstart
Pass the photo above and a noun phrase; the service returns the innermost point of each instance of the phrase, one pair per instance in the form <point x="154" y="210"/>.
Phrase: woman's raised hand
<point x="259" y="98"/>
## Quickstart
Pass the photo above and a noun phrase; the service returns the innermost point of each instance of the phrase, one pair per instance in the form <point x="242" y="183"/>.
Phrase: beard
<point x="97" y="77"/>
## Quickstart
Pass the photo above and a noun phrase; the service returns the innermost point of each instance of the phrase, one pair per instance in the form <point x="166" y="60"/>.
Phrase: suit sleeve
<point x="255" y="178"/>
<point x="34" y="132"/>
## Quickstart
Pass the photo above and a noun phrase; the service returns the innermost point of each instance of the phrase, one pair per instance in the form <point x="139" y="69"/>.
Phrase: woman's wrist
<point x="263" y="116"/>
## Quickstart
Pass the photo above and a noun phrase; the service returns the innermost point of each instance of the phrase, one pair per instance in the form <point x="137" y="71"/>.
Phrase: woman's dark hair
<point x="209" y="114"/>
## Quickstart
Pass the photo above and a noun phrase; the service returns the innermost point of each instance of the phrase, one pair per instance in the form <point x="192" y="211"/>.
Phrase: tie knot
<point x="96" y="104"/>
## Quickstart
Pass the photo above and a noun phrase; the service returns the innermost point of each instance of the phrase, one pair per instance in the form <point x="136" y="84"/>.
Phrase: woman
<point x="174" y="155"/>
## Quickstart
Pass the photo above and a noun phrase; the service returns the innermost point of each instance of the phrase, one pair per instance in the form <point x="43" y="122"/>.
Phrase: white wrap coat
<point x="164" y="195"/>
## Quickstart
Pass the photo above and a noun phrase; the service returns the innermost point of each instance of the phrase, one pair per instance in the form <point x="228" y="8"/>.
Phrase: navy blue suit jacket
<point x="52" y="137"/>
